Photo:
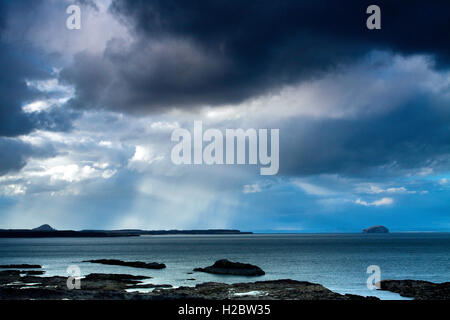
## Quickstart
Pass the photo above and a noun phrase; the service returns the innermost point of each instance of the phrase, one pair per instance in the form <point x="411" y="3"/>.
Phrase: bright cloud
<point x="376" y="203"/>
<point x="373" y="189"/>
<point x="252" y="188"/>
<point x="143" y="157"/>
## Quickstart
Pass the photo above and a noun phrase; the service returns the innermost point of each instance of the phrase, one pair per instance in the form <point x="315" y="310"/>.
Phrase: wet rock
<point x="232" y="268"/>
<point x="113" y="287"/>
<point x="150" y="285"/>
<point x="9" y="276"/>
<point x="134" y="264"/>
<point x="110" y="282"/>
<point x="20" y="266"/>
<point x="417" y="289"/>
<point x="285" y="289"/>
<point x="113" y="277"/>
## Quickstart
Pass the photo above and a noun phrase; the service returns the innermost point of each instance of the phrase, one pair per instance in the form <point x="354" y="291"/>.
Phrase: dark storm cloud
<point x="190" y="53"/>
<point x="57" y="119"/>
<point x="15" y="153"/>
<point x="19" y="63"/>
<point x="16" y="68"/>
<point x="415" y="136"/>
<point x="255" y="29"/>
<point x="14" y="92"/>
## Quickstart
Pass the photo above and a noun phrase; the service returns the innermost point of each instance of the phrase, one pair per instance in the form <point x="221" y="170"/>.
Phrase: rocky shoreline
<point x="18" y="285"/>
<point x="22" y="283"/>
<point x="418" y="289"/>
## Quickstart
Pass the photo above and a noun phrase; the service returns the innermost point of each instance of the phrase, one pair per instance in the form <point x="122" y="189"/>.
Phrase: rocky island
<point x="232" y="268"/>
<point x="376" y="229"/>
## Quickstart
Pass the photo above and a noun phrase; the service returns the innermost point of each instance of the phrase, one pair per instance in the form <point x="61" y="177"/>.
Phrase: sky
<point x="86" y="116"/>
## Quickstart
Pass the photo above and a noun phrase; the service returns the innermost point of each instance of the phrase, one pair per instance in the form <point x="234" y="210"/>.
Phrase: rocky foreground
<point x="417" y="289"/>
<point x="20" y="285"/>
<point x="285" y="289"/>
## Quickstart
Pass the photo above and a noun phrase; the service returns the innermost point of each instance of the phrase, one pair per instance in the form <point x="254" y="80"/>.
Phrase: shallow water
<point x="337" y="261"/>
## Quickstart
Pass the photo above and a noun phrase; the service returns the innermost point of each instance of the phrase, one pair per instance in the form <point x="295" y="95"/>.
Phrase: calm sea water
<point x="337" y="261"/>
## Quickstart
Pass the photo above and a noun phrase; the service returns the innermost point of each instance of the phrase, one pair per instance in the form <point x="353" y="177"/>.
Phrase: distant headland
<point x="46" y="231"/>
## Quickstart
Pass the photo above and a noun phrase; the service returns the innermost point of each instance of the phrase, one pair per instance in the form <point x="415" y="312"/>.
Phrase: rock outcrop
<point x="20" y="266"/>
<point x="232" y="268"/>
<point x="418" y="289"/>
<point x="284" y="289"/>
<point x="134" y="264"/>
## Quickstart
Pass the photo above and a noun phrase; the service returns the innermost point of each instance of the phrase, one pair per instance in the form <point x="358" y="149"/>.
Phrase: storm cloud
<point x="19" y="69"/>
<point x="15" y="153"/>
<point x="186" y="54"/>
<point x="86" y="115"/>
<point x="387" y="144"/>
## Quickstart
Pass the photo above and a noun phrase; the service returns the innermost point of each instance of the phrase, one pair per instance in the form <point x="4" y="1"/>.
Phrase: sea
<point x="339" y="262"/>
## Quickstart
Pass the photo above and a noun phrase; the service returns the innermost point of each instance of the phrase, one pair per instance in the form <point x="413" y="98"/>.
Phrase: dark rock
<point x="150" y="285"/>
<point x="94" y="286"/>
<point x="9" y="276"/>
<point x="110" y="282"/>
<point x="93" y="282"/>
<point x="262" y="290"/>
<point x="113" y="277"/>
<point x="232" y="268"/>
<point x="20" y="266"/>
<point x="356" y="297"/>
<point x="134" y="264"/>
<point x="417" y="289"/>
<point x="376" y="229"/>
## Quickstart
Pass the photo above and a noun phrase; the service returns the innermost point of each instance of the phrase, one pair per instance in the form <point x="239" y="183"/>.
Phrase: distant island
<point x="46" y="231"/>
<point x="376" y="229"/>
<point x="170" y="232"/>
<point x="44" y="227"/>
